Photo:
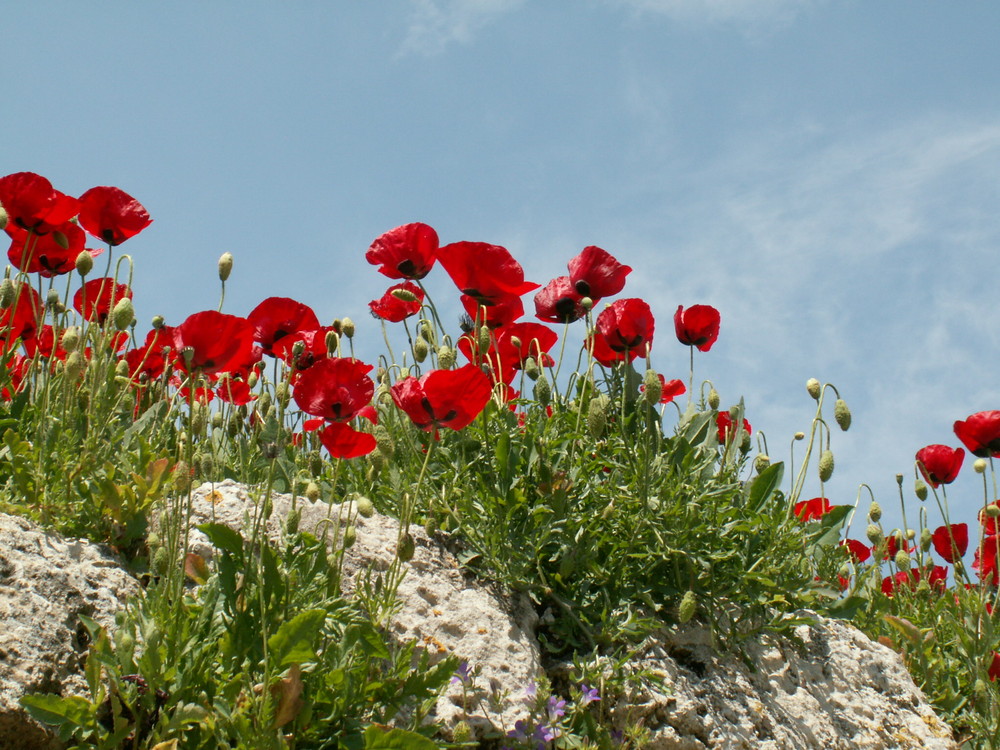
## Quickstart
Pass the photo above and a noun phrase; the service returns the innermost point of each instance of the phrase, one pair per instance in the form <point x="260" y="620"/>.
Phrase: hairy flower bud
<point x="7" y="293"/>
<point x="825" y="465"/>
<point x="799" y="436"/>
<point x="426" y="331"/>
<point x="52" y="299"/>
<point x="531" y="368"/>
<point x="446" y="357"/>
<point x="979" y="465"/>
<point x="652" y="387"/>
<point x="123" y="313"/>
<point x="225" y="266"/>
<point x="814" y="388"/>
<point x="461" y="732"/>
<point x="420" y="349"/>
<point x="597" y="415"/>
<point x="713" y="399"/>
<point x="405" y="548"/>
<point x="70" y="339"/>
<point x="926" y="539"/>
<point x="75" y="365"/>
<point x="761" y="462"/>
<point x="292" y="520"/>
<point x="404" y="295"/>
<point x="687" y="607"/>
<point x="161" y="561"/>
<point x="3" y="218"/>
<point x="902" y="559"/>
<point x="920" y="489"/>
<point x="483" y="339"/>
<point x="366" y="509"/>
<point x="542" y="391"/>
<point x="312" y="492"/>
<point x="218" y="420"/>
<point x="383" y="440"/>
<point x="332" y="342"/>
<point x="874" y="534"/>
<point x="157" y="322"/>
<point x="121" y="369"/>
<point x="84" y="263"/>
<point x="874" y="512"/>
<point x="351" y="536"/>
<point x="842" y="414"/>
<point x="347" y="327"/>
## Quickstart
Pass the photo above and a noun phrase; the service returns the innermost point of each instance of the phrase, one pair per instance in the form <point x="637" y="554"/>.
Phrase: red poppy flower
<point x="518" y="341"/>
<point x="49" y="254"/>
<point x="725" y="423"/>
<point x="938" y="578"/>
<point x="32" y="203"/>
<point x="980" y="433"/>
<point x="314" y="349"/>
<point x="627" y="326"/>
<point x="940" y="464"/>
<point x="812" y="510"/>
<point x="145" y="363"/>
<point x="697" y="326"/>
<point x="988" y="522"/>
<point x="485" y="272"/>
<point x="598" y="347"/>
<point x="985" y="561"/>
<point x="44" y="344"/>
<point x="97" y="298"/>
<point x="443" y="398"/>
<point x="908" y="578"/>
<point x="234" y="390"/>
<point x="951" y="542"/>
<point x="22" y="319"/>
<point x="993" y="672"/>
<point x="892" y="547"/>
<point x="669" y="389"/>
<point x="501" y="311"/>
<point x="112" y="215"/>
<point x="559" y="302"/>
<point x="859" y="551"/>
<point x="343" y="441"/>
<point x="595" y="273"/>
<point x="394" y="309"/>
<point x="336" y="388"/>
<point x="406" y="252"/>
<point x="212" y="342"/>
<point x="276" y="317"/>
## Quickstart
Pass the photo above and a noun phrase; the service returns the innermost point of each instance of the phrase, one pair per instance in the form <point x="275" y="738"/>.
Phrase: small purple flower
<point x="530" y="694"/>
<point x="589" y="695"/>
<point x="463" y="674"/>
<point x="545" y="734"/>
<point x="520" y="730"/>
<point x="557" y="707"/>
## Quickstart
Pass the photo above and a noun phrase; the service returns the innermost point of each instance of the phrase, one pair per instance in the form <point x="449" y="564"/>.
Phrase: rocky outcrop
<point x="835" y="689"/>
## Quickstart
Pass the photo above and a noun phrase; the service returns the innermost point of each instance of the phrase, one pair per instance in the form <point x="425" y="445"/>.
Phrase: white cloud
<point x="435" y="24"/>
<point x="753" y="16"/>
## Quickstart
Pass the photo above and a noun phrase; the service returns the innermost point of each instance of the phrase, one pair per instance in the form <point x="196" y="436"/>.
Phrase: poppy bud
<point x="365" y="507"/>
<point x="161" y="561"/>
<point x="926" y="539"/>
<point x="713" y="398"/>
<point x="121" y="369"/>
<point x="52" y="299"/>
<point x="60" y="239"/>
<point x="404" y="295"/>
<point x="825" y="465"/>
<point x="688" y="607"/>
<point x="542" y="391"/>
<point x="420" y="349"/>
<point x="799" y="436"/>
<point x="157" y="322"/>
<point x="350" y="536"/>
<point x="746" y="443"/>
<point x="842" y="414"/>
<point x="874" y="512"/>
<point x="899" y="479"/>
<point x="761" y="462"/>
<point x="123" y="313"/>
<point x="347" y="327"/>
<point x="298" y="348"/>
<point x="992" y="510"/>
<point x="252" y="379"/>
<point x="7" y="293"/>
<point x="315" y="462"/>
<point x="979" y="465"/>
<point x="218" y="420"/>
<point x="282" y="393"/>
<point x="405" y="548"/>
<point x="225" y="266"/>
<point x="70" y="339"/>
<point x="902" y="559"/>
<point x="483" y="339"/>
<point x="597" y="417"/>
<point x="264" y="402"/>
<point x="874" y="534"/>
<point x="198" y="418"/>
<point x="332" y="342"/>
<point x="587" y="303"/>
<point x="652" y="387"/>
<point x="383" y="440"/>
<point x="446" y="357"/>
<point x="75" y="365"/>
<point x="3" y="218"/>
<point x="181" y="477"/>
<point x="814" y="388"/>
<point x="531" y="368"/>
<point x="426" y="331"/>
<point x="920" y="489"/>
<point x="84" y="263"/>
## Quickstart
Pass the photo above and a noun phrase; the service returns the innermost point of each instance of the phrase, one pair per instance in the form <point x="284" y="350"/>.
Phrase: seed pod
<point x="405" y="548"/>
<point x="292" y="520"/>
<point x="920" y="489"/>
<point x="225" y="266"/>
<point x="420" y="350"/>
<point x="404" y="295"/>
<point x="874" y="512"/>
<point x="123" y="313"/>
<point x="312" y="492"/>
<point x="121" y="369"/>
<point x="713" y="398"/>
<point x="992" y="510"/>
<point x="688" y="607"/>
<point x="366" y="509"/>
<point x="587" y="303"/>
<point x="761" y="462"/>
<point x="874" y="534"/>
<point x="652" y="387"/>
<point x="814" y="388"/>
<point x="825" y="465"/>
<point x="597" y="417"/>
<point x="926" y="539"/>
<point x="347" y="327"/>
<point x="799" y="436"/>
<point x="902" y="559"/>
<point x="483" y="339"/>
<point x="542" y="391"/>
<point x="84" y="263"/>
<point x="157" y="322"/>
<point x="842" y="414"/>
<point x="446" y="357"/>
<point x="7" y="293"/>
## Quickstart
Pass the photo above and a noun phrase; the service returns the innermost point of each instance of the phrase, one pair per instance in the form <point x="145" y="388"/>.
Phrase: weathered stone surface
<point x="46" y="583"/>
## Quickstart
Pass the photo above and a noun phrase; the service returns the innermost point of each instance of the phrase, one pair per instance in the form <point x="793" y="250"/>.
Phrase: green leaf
<point x="58" y="710"/>
<point x="378" y="737"/>
<point x="223" y="537"/>
<point x="292" y="643"/>
<point x="847" y="608"/>
<point x="764" y="485"/>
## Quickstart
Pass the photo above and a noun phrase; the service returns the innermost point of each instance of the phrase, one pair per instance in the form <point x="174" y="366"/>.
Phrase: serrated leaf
<point x="293" y="643"/>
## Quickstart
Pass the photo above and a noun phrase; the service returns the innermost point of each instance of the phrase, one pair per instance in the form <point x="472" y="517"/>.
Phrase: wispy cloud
<point x="436" y="24"/>
<point x="753" y="16"/>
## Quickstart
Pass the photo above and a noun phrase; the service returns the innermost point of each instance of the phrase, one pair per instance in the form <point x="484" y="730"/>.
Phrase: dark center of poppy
<point x="406" y="267"/>
<point x="582" y="287"/>
<point x="566" y="310"/>
<point x="108" y="236"/>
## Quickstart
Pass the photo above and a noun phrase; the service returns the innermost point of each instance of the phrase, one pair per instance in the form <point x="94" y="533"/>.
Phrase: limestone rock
<point x="46" y="583"/>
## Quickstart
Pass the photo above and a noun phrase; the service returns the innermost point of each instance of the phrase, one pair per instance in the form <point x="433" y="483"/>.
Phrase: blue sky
<point x="824" y="173"/>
